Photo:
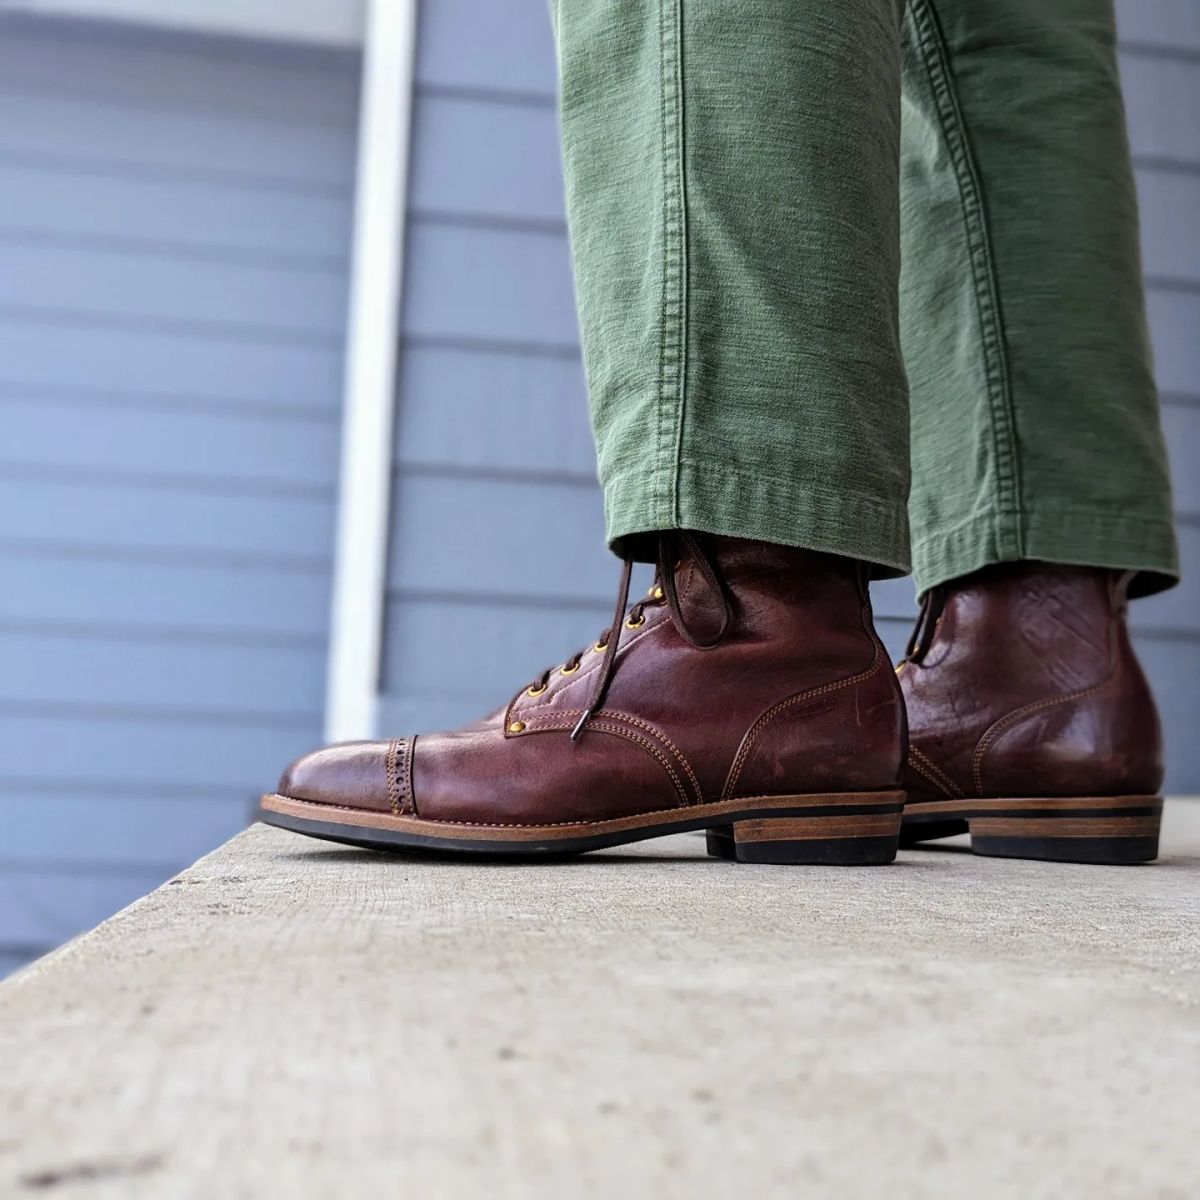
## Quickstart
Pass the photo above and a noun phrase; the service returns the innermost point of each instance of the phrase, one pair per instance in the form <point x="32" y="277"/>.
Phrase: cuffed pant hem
<point x="1078" y="537"/>
<point x="714" y="498"/>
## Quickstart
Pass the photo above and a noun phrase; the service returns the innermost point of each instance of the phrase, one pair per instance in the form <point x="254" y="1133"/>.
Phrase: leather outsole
<point x="838" y="828"/>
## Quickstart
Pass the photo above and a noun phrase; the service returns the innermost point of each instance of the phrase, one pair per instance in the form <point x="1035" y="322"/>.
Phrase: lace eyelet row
<point x="654" y="595"/>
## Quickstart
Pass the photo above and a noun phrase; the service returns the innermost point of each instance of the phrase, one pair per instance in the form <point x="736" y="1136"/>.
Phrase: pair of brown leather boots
<point x="749" y="695"/>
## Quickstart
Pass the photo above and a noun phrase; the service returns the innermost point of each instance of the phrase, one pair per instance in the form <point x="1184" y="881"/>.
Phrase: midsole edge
<point x="719" y="811"/>
<point x="1032" y="806"/>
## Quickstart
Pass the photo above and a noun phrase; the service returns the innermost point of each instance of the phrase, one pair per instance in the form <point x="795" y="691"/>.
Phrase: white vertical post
<point x="360" y="555"/>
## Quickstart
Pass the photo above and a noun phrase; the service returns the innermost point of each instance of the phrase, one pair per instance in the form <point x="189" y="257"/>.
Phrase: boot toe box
<point x="346" y="775"/>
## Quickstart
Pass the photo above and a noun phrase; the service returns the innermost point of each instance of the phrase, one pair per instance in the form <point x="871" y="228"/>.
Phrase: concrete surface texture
<point x="295" y="1019"/>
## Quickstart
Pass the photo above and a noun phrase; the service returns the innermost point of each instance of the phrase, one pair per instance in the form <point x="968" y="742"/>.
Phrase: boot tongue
<point x="704" y="610"/>
<point x="674" y="551"/>
<point x="699" y="600"/>
<point x="933" y="602"/>
<point x="765" y="581"/>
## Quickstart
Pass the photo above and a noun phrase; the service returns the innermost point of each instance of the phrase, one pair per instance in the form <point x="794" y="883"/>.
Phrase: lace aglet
<point x="587" y="712"/>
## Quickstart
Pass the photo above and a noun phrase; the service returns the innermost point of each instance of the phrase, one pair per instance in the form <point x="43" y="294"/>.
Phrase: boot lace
<point x="921" y="638"/>
<point x="673" y="548"/>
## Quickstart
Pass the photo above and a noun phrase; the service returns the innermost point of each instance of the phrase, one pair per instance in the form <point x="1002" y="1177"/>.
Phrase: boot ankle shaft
<point x="1031" y="687"/>
<point x="1028" y="609"/>
<point x="1098" y="588"/>
<point x="824" y="587"/>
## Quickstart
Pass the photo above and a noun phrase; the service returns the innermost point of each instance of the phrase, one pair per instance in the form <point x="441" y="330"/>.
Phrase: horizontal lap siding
<point x="101" y="590"/>
<point x="172" y="367"/>
<point x="115" y="751"/>
<point x="83" y="435"/>
<point x="53" y="883"/>
<point x="46" y="903"/>
<point x="497" y="561"/>
<point x="174" y="235"/>
<point x="1160" y="65"/>
<point x="1165" y="26"/>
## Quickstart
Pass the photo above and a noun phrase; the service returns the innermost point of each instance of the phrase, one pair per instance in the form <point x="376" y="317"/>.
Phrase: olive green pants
<point x="826" y="249"/>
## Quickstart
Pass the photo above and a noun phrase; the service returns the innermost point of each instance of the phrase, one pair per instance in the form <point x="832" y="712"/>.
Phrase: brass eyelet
<point x="517" y="727"/>
<point x="600" y="647"/>
<point x="568" y="670"/>
<point x="632" y="624"/>
<point x="535" y="691"/>
<point x="656" y="593"/>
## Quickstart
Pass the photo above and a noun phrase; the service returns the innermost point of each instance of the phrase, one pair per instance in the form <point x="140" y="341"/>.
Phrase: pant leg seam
<point x="673" y="341"/>
<point x="684" y="265"/>
<point x="931" y="41"/>
<point x="661" y="389"/>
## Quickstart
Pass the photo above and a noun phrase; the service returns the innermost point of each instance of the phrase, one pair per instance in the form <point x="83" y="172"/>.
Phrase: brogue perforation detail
<point x="399" y="776"/>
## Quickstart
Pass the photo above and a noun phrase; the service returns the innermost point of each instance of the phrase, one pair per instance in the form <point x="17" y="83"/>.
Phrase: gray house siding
<point x="174" y="228"/>
<point x="497" y="560"/>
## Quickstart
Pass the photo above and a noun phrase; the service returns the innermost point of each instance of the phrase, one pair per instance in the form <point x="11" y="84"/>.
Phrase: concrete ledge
<point x="293" y="1019"/>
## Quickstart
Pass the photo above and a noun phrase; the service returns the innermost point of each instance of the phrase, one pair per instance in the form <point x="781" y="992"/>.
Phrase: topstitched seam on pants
<point x="673" y="316"/>
<point x="684" y="335"/>
<point x="666" y="224"/>
<point x="803" y="490"/>
<point x="930" y="39"/>
<point x="1106" y="540"/>
<point x="1057" y="510"/>
<point x="720" y="470"/>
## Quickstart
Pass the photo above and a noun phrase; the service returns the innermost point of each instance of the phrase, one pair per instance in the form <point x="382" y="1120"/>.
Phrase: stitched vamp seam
<point x="644" y="734"/>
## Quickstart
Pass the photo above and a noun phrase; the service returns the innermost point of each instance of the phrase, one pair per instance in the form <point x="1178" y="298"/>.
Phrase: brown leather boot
<point x="1030" y="721"/>
<point x="748" y="695"/>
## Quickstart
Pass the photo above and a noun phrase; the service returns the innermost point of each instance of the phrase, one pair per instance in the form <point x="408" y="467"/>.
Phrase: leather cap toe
<point x="349" y="775"/>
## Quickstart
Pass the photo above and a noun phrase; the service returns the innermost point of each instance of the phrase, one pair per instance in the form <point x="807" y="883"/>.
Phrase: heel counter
<point x="1103" y="740"/>
<point x="848" y="735"/>
<point x="1138" y="726"/>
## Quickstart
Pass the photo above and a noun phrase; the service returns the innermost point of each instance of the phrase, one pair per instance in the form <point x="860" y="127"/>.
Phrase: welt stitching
<point x="985" y="743"/>
<point x="932" y="43"/>
<point x="654" y="812"/>
<point x="932" y="772"/>
<point x="756" y="729"/>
